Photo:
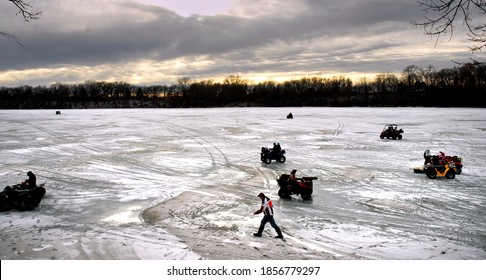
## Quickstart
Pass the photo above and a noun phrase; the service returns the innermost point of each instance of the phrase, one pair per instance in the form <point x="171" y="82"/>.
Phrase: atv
<point x="391" y="131"/>
<point x="442" y="170"/>
<point x="267" y="155"/>
<point x="302" y="186"/>
<point x="20" y="197"/>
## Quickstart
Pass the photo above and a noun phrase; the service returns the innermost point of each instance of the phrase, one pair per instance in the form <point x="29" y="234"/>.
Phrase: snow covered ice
<point x="172" y="184"/>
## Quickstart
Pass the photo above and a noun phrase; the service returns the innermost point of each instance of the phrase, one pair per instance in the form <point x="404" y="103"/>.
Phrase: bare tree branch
<point x="13" y="38"/>
<point x="27" y="12"/>
<point x="442" y="15"/>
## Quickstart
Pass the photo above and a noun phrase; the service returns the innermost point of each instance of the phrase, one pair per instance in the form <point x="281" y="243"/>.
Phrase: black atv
<point x="391" y="131"/>
<point x="21" y="198"/>
<point x="302" y="186"/>
<point x="267" y="155"/>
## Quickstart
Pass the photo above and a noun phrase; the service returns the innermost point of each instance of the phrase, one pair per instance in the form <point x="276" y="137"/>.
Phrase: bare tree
<point x="27" y="12"/>
<point x="442" y="15"/>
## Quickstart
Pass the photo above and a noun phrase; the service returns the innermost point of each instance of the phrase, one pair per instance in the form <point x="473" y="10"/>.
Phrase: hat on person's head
<point x="29" y="173"/>
<point x="261" y="195"/>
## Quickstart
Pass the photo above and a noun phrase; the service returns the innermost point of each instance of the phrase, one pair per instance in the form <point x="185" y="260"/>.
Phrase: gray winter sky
<point x="158" y="41"/>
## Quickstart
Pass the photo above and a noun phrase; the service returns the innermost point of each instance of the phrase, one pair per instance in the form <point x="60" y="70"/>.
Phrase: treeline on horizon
<point x="462" y="86"/>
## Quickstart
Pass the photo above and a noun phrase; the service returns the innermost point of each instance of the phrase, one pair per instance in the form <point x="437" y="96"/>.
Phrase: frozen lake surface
<point x="182" y="184"/>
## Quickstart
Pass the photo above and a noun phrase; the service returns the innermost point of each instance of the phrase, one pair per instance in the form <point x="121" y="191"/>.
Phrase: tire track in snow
<point x="339" y="129"/>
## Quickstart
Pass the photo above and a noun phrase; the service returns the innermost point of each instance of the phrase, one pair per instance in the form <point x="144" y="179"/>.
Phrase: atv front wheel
<point x="4" y="203"/>
<point x="283" y="193"/>
<point x="23" y="202"/>
<point x="282" y="159"/>
<point x="306" y="195"/>
<point x="400" y="137"/>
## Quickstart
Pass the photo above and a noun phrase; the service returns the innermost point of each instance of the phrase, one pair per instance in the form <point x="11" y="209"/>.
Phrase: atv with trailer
<point x="437" y="160"/>
<point x="301" y="186"/>
<point x="391" y="131"/>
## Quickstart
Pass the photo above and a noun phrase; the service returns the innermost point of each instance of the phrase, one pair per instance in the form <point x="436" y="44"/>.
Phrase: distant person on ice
<point x="267" y="209"/>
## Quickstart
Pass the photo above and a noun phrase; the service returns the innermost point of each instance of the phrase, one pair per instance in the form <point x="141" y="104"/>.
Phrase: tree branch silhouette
<point x="28" y="13"/>
<point x="442" y="15"/>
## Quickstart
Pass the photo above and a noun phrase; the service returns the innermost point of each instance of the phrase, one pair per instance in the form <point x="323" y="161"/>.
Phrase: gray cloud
<point x="265" y="37"/>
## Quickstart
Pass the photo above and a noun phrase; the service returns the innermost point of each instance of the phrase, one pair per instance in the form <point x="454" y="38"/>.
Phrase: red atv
<point x="302" y="186"/>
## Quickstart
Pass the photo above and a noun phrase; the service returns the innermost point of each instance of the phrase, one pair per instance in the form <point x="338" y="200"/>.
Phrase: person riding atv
<point x="276" y="153"/>
<point x="289" y="184"/>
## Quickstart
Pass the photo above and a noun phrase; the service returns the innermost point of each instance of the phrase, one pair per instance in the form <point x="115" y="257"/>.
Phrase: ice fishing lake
<point x="179" y="184"/>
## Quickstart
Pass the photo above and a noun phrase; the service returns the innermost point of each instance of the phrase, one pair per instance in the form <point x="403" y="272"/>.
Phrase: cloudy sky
<point x="150" y="42"/>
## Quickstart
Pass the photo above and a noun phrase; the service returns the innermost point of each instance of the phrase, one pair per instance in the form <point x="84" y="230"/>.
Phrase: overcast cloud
<point x="145" y="42"/>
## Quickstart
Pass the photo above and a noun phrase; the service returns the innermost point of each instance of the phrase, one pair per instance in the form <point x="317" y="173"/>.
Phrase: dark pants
<point x="268" y="219"/>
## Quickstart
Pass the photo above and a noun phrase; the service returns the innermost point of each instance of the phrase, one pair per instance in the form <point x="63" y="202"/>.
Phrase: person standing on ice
<point x="267" y="209"/>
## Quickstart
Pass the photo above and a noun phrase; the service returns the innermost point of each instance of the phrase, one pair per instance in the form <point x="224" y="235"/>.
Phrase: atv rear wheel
<point x="282" y="159"/>
<point x="267" y="160"/>
<point x="432" y="174"/>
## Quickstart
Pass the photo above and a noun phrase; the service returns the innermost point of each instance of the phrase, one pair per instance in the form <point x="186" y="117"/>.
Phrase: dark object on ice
<point x="440" y="159"/>
<point x="391" y="131"/>
<point x="21" y="198"/>
<point x="58" y="112"/>
<point x="290" y="116"/>
<point x="266" y="154"/>
<point x="300" y="186"/>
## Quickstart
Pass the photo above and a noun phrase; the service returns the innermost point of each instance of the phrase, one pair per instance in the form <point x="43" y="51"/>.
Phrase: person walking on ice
<point x="267" y="209"/>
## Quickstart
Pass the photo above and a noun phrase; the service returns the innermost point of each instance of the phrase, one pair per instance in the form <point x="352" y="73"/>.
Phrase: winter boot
<point x="279" y="232"/>
<point x="259" y="233"/>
